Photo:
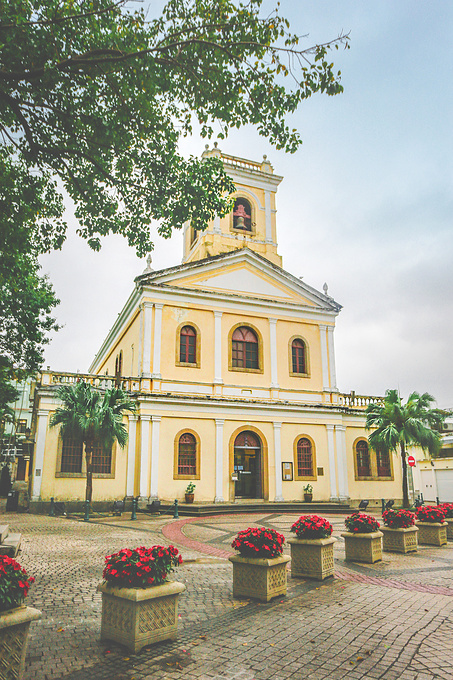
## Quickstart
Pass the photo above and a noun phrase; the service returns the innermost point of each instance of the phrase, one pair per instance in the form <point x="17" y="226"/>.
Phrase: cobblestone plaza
<point x="390" y="620"/>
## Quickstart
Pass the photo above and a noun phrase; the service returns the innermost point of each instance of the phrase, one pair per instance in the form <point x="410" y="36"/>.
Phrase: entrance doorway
<point x="248" y="466"/>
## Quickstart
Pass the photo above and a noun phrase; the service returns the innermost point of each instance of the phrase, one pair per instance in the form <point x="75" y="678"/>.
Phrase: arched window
<point x="244" y="348"/>
<point x="242" y="215"/>
<point x="71" y="455"/>
<point x="187" y="455"/>
<point x="304" y="458"/>
<point x="363" y="459"/>
<point x="383" y="464"/>
<point x="188" y="345"/>
<point x="298" y="356"/>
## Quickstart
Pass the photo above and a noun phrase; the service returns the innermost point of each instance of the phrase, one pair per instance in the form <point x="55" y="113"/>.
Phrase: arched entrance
<point x="248" y="465"/>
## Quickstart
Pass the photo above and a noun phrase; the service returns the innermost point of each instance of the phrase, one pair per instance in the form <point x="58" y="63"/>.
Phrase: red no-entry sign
<point x="411" y="461"/>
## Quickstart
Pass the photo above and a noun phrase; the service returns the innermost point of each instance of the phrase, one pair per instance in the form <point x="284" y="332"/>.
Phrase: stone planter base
<point x="14" y="627"/>
<point x="260" y="579"/>
<point x="312" y="558"/>
<point x="136" y="617"/>
<point x="400" y="540"/>
<point x="432" y="533"/>
<point x="363" y="547"/>
<point x="450" y="529"/>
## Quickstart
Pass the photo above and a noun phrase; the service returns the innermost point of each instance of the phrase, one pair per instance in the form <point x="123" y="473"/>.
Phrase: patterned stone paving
<point x="390" y="621"/>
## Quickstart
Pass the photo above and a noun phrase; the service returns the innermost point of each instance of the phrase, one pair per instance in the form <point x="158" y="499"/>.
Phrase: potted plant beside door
<point x="259" y="571"/>
<point x="312" y="550"/>
<point x="308" y="493"/>
<point x="139" y="604"/>
<point x="15" y="617"/>
<point x="189" y="492"/>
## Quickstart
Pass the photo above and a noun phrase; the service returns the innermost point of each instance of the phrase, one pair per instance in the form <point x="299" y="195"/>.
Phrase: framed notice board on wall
<point x="287" y="472"/>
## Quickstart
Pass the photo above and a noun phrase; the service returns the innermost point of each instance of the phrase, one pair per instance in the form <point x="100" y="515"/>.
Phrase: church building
<point x="231" y="360"/>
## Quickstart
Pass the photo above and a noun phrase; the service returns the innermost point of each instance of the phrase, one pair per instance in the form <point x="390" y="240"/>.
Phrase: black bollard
<point x="175" y="511"/>
<point x="87" y="512"/>
<point x="383" y="504"/>
<point x="134" y="508"/>
<point x="52" y="507"/>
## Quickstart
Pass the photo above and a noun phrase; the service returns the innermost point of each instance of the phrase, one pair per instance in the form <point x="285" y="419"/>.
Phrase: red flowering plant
<point x="259" y="543"/>
<point x="431" y="513"/>
<point x="398" y="519"/>
<point x="312" y="526"/>
<point x="360" y="523"/>
<point x="448" y="507"/>
<point x="14" y="583"/>
<point x="142" y="567"/>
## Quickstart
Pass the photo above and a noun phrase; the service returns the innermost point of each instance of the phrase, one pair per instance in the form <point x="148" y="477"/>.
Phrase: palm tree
<point x="401" y="425"/>
<point x="94" y="418"/>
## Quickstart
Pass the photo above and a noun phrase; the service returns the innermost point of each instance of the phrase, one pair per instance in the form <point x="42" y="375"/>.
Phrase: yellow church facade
<point x="231" y="360"/>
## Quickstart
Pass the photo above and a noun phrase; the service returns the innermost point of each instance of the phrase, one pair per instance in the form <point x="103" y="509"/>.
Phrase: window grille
<point x="71" y="455"/>
<point x="187" y="345"/>
<point x="383" y="464"/>
<point x="363" y="459"/>
<point x="187" y="455"/>
<point x="304" y="458"/>
<point x="244" y="348"/>
<point x="298" y="356"/>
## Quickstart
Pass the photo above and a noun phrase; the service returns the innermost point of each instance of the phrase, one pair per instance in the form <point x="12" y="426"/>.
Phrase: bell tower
<point x="252" y="222"/>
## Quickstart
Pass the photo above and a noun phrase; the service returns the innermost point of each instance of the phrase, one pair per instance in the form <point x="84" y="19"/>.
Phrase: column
<point x="155" y="458"/>
<point x="39" y="454"/>
<point x="219" y="461"/>
<point x="273" y="339"/>
<point x="331" y="346"/>
<point x="216" y="224"/>
<point x="218" y="348"/>
<point x="130" y="478"/>
<point x="332" y="469"/>
<point x="144" y="455"/>
<point x="340" y="433"/>
<point x="146" y="320"/>
<point x="278" y="462"/>
<point x="157" y="340"/>
<point x="324" y="361"/>
<point x="268" y="216"/>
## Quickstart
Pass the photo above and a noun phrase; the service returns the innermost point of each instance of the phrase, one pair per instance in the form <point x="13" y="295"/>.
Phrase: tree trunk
<point x="89" y="464"/>
<point x="404" y="466"/>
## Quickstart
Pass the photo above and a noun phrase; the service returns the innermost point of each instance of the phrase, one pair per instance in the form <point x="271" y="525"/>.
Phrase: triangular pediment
<point x="242" y="273"/>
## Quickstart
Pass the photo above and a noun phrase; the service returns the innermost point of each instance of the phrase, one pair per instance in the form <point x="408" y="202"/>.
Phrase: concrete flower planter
<point x="260" y="579"/>
<point x="449" y="521"/>
<point x="136" y="617"/>
<point x="312" y="558"/>
<point x="432" y="533"/>
<point x="363" y="547"/>
<point x="402" y="540"/>
<point x="14" y="628"/>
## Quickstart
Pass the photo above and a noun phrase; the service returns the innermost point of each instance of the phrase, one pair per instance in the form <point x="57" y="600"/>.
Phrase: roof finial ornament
<point x="325" y="289"/>
<point x="148" y="268"/>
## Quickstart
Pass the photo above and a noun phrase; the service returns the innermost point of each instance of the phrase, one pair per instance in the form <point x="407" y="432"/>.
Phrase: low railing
<point x="241" y="162"/>
<point x="102" y="382"/>
<point x="354" y="400"/>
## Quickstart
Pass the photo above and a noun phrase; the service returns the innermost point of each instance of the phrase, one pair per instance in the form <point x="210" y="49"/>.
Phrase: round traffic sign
<point x="411" y="461"/>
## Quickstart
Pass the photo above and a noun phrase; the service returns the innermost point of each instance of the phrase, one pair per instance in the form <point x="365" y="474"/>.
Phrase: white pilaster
<point x="268" y="215"/>
<point x="39" y="454"/>
<point x="324" y="360"/>
<point x="157" y="340"/>
<point x="331" y="346"/>
<point x="218" y="348"/>
<point x="132" y="436"/>
<point x="147" y="317"/>
<point x="273" y="342"/>
<point x="155" y="458"/>
<point x="332" y="469"/>
<point x="144" y="455"/>
<point x="340" y="433"/>
<point x="219" y="461"/>
<point x="216" y="224"/>
<point x="278" y="462"/>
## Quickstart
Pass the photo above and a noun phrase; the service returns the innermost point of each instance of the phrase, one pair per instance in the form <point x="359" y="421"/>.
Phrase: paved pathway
<point x="391" y="620"/>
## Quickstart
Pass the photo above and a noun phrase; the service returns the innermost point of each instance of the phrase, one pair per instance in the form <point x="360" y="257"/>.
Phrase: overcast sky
<point x="366" y="204"/>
